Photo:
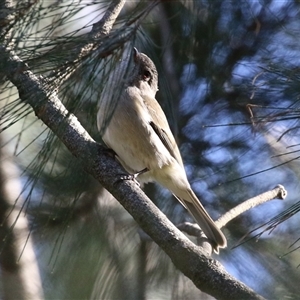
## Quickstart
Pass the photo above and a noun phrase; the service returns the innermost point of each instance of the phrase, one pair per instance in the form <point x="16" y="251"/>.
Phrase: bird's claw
<point x="132" y="176"/>
<point x="128" y="177"/>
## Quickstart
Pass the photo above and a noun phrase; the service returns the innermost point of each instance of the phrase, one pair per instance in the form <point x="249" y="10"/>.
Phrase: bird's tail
<point x="213" y="233"/>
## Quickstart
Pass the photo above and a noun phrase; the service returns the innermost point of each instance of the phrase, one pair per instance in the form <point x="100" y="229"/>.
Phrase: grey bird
<point x="139" y="133"/>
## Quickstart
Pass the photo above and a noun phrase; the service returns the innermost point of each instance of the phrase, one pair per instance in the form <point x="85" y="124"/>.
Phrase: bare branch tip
<point x="282" y="192"/>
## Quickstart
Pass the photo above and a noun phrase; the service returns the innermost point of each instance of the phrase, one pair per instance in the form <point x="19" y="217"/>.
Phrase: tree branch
<point x="278" y="192"/>
<point x="96" y="43"/>
<point x="207" y="274"/>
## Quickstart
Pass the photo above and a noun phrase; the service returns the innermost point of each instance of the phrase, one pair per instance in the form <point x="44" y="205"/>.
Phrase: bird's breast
<point x="130" y="135"/>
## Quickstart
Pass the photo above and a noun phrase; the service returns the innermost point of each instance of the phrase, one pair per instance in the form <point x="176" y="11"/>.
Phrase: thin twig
<point x="278" y="192"/>
<point x="193" y="229"/>
<point x="99" y="30"/>
<point x="100" y="42"/>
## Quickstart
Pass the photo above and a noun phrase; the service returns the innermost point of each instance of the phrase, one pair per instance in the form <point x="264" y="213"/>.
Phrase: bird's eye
<point x="146" y="75"/>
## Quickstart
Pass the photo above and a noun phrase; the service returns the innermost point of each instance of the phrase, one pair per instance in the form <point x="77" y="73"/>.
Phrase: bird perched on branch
<point x="139" y="133"/>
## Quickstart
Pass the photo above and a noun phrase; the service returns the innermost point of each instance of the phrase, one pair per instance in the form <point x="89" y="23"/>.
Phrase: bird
<point x="139" y="134"/>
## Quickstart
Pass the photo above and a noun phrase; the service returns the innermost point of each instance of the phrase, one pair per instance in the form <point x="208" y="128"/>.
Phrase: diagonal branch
<point x="100" y="30"/>
<point x="100" y="42"/>
<point x="207" y="275"/>
<point x="278" y="192"/>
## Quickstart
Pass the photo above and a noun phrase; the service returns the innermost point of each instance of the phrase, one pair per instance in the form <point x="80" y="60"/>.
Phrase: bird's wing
<point x="164" y="138"/>
<point x="161" y="127"/>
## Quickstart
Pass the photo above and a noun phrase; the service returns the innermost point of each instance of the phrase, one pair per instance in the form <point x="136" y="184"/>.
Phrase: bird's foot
<point x="131" y="176"/>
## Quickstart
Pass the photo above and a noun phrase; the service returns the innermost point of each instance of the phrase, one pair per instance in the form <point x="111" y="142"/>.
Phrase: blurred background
<point x="229" y="75"/>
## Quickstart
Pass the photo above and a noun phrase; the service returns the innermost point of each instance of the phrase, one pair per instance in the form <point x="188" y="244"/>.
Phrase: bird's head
<point x="144" y="71"/>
